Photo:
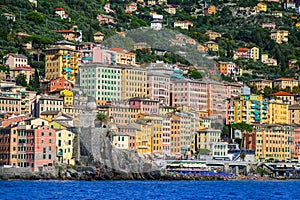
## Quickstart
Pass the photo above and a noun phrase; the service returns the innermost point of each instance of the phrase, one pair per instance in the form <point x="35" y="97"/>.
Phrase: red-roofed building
<point x="105" y="19"/>
<point x="122" y="56"/>
<point x="26" y="70"/>
<point x="286" y="97"/>
<point x="62" y="13"/>
<point x="283" y="83"/>
<point x="130" y="8"/>
<point x="58" y="84"/>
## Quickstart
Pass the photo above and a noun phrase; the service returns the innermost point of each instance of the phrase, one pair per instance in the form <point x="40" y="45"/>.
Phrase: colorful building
<point x="207" y="139"/>
<point x="278" y="112"/>
<point x="274" y="142"/>
<point x="212" y="35"/>
<point x="134" y="82"/>
<point x="279" y="36"/>
<point x="143" y="136"/>
<point x="61" y="61"/>
<point x="286" y="97"/>
<point x="261" y="83"/>
<point x="64" y="147"/>
<point x="101" y="81"/>
<point x="15" y="60"/>
<point x="247" y="108"/>
<point x="210" y="10"/>
<point x="294" y="114"/>
<point x="67" y="95"/>
<point x="47" y="103"/>
<point x="158" y="87"/>
<point x="190" y="93"/>
<point x="283" y="83"/>
<point x="123" y="57"/>
<point x="212" y="46"/>
<point x="58" y="84"/>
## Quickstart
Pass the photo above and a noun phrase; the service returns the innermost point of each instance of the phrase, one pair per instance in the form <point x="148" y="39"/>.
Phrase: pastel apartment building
<point x="10" y="104"/>
<point x="247" y="108"/>
<point x="261" y="83"/>
<point x="26" y="70"/>
<point x="143" y="137"/>
<point x="294" y="114"/>
<point x="103" y="82"/>
<point x="13" y="60"/>
<point x="134" y="82"/>
<point x="98" y="37"/>
<point x="283" y="83"/>
<point x="207" y="139"/>
<point x="61" y="61"/>
<point x="64" y="147"/>
<point x="274" y="141"/>
<point x="216" y="99"/>
<point x="122" y="56"/>
<point x="252" y="53"/>
<point x="279" y="36"/>
<point x="227" y="68"/>
<point x="158" y="87"/>
<point x="278" y="112"/>
<point x="47" y="103"/>
<point x="286" y="97"/>
<point x="189" y="93"/>
<point x="129" y="130"/>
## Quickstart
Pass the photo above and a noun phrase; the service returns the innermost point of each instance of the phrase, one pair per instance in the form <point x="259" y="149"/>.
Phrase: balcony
<point x="145" y="140"/>
<point x="142" y="147"/>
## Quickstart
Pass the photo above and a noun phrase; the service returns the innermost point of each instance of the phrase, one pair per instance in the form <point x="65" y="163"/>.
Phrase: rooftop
<point x="281" y="93"/>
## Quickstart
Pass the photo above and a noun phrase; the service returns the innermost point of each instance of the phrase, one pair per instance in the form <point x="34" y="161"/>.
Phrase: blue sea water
<point x="233" y="189"/>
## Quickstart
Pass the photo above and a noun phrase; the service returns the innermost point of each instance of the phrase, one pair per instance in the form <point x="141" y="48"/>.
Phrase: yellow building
<point x="49" y="115"/>
<point x="248" y="108"/>
<point x="212" y="46"/>
<point x="64" y="147"/>
<point x="206" y="138"/>
<point x="67" y="96"/>
<point x="156" y="136"/>
<point x="261" y="6"/>
<point x="261" y="83"/>
<point x="61" y="61"/>
<point x="283" y="83"/>
<point x="171" y="10"/>
<point x="122" y="56"/>
<point x="143" y="137"/>
<point x="274" y="142"/>
<point x="278" y="112"/>
<point x="212" y="35"/>
<point x="254" y="53"/>
<point x="297" y="24"/>
<point x="56" y="125"/>
<point x="25" y="70"/>
<point x="279" y="36"/>
<point x="134" y="82"/>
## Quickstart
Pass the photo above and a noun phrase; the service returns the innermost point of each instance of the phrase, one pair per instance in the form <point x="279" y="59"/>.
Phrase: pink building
<point x="102" y="55"/>
<point x="129" y="130"/>
<point x="216" y="98"/>
<point x="105" y="19"/>
<point x="158" y="86"/>
<point x="190" y="93"/>
<point x="166" y="135"/>
<point x="44" y="147"/>
<point x="13" y="120"/>
<point x="130" y="8"/>
<point x="146" y="106"/>
<point x="296" y="142"/>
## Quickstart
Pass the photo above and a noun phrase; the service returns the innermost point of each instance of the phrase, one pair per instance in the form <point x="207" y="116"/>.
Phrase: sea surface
<point x="232" y="189"/>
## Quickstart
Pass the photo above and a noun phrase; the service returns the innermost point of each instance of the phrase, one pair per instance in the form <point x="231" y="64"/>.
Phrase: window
<point x="59" y="143"/>
<point x="42" y="134"/>
<point x="69" y="142"/>
<point x="44" y="150"/>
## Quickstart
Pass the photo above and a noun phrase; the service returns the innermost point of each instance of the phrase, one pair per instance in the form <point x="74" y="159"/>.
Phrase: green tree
<point x="296" y="90"/>
<point x="195" y="74"/>
<point x="21" y="80"/>
<point x="267" y="90"/>
<point x="101" y="117"/>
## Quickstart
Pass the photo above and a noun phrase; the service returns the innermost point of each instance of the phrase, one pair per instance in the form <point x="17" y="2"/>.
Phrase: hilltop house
<point x="130" y="8"/>
<point x="210" y="10"/>
<point x="105" y="19"/>
<point x="279" y="36"/>
<point x="283" y="83"/>
<point x="62" y="13"/>
<point x="186" y="24"/>
<point x="212" y="35"/>
<point x="268" y="61"/>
